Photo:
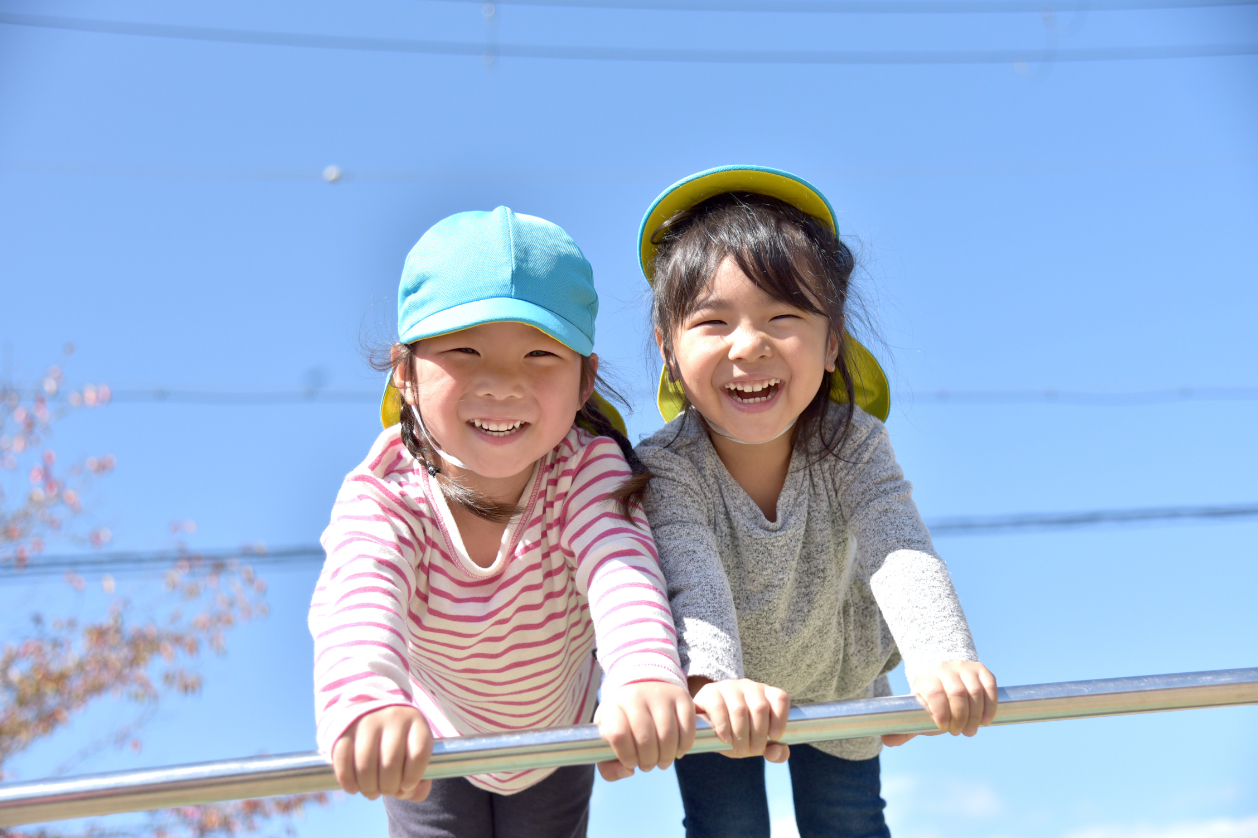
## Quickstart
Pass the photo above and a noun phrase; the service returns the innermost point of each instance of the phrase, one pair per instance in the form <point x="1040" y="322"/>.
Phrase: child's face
<point x="749" y="363"/>
<point x="498" y="396"/>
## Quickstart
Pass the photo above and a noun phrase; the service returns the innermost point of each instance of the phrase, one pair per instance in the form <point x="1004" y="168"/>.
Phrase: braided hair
<point x="592" y="419"/>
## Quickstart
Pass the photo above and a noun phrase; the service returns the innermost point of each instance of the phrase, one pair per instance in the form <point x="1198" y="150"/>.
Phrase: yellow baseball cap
<point x="873" y="392"/>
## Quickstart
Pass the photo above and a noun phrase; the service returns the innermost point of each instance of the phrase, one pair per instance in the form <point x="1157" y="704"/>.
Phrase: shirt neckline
<point x="786" y="498"/>
<point x="510" y="535"/>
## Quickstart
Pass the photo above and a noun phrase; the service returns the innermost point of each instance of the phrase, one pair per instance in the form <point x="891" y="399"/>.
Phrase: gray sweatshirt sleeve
<point x="698" y="592"/>
<point x="910" y="582"/>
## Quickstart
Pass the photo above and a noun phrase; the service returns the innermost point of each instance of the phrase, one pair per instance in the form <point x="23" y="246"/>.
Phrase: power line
<point x="1082" y="398"/>
<point x="124" y="562"/>
<point x="337" y="175"/>
<point x="898" y="7"/>
<point x="633" y="54"/>
<point x="941" y="397"/>
<point x="981" y="525"/>
<point x="121" y="562"/>
<point x="944" y="397"/>
<point x="244" y="399"/>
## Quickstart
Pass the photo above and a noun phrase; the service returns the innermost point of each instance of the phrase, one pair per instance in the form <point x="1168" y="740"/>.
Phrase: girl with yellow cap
<point x="797" y="565"/>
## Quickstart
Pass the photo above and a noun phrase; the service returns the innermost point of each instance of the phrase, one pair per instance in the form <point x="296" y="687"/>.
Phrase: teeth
<point x="503" y="428"/>
<point x="754" y="387"/>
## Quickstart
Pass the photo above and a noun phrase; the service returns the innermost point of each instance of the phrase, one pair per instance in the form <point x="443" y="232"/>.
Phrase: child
<point x="797" y="565"/>
<point x="487" y="544"/>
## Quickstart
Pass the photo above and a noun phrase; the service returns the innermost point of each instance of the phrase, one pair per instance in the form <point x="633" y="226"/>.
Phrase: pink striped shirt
<point x="401" y="615"/>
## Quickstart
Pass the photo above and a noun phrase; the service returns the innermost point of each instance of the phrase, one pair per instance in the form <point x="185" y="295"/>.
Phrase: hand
<point x="960" y="696"/>
<point x="385" y="752"/>
<point x="648" y="725"/>
<point x="745" y="714"/>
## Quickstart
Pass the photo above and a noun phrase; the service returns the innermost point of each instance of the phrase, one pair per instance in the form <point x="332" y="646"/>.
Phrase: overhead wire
<point x="335" y="175"/>
<point x="1036" y="521"/>
<point x="632" y="54"/>
<point x="945" y="397"/>
<point x="897" y="7"/>
<point x="119" y="562"/>
<point x="1133" y="398"/>
<point x="1083" y="398"/>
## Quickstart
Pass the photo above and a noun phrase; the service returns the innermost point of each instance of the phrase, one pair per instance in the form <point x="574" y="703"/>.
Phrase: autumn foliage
<point x="63" y="665"/>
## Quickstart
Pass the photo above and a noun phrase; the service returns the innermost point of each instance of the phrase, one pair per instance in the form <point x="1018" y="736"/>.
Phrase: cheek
<point x="437" y="390"/>
<point x="691" y="356"/>
<point x="559" y="393"/>
<point x="572" y="403"/>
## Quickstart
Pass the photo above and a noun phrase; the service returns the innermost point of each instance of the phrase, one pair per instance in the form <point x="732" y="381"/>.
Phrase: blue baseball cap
<point x="492" y="267"/>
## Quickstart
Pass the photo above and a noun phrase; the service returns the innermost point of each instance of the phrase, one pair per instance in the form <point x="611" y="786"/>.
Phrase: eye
<point x="465" y="350"/>
<point x="540" y="353"/>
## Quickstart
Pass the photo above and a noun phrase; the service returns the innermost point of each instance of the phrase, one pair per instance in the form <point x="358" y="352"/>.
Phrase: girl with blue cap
<point x="490" y="540"/>
<point x="797" y="565"/>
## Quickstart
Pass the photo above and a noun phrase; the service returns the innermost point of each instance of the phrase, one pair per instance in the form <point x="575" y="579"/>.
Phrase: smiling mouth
<point x="754" y="392"/>
<point x="498" y="429"/>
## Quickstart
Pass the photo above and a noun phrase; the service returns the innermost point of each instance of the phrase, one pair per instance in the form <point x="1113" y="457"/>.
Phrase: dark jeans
<point x="557" y="807"/>
<point x="834" y="798"/>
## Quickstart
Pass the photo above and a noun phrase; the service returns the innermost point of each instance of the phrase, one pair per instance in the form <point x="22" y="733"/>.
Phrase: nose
<point x="747" y="342"/>
<point x="499" y="381"/>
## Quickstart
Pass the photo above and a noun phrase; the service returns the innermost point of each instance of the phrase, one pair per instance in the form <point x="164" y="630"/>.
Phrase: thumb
<point x="892" y="740"/>
<point x="613" y="770"/>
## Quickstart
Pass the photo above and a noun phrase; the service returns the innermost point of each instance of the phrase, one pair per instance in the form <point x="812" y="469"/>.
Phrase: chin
<point x="495" y="469"/>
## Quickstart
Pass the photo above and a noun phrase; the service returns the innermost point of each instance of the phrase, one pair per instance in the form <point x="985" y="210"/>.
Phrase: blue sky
<point x="1070" y="225"/>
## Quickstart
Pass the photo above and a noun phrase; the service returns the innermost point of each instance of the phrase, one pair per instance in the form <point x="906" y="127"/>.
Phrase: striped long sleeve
<point x="402" y="616"/>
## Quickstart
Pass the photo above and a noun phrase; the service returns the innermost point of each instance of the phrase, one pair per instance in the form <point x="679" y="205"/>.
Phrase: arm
<point x="745" y="714"/>
<point x="366" y="720"/>
<point x="912" y="585"/>
<point x="645" y="714"/>
<point x="698" y="591"/>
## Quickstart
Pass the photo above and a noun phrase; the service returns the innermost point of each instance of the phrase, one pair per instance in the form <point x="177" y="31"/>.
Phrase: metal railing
<point x="212" y="782"/>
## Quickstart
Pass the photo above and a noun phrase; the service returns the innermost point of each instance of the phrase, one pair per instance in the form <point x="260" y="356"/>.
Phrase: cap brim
<point x="500" y="310"/>
<point x="390" y="405"/>
<point x="612" y="414"/>
<point x="686" y="193"/>
<point x="873" y="392"/>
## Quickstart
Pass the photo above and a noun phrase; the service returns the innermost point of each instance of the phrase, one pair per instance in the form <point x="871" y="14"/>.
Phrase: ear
<point x="659" y="341"/>
<point x="588" y="389"/>
<point x="401" y="376"/>
<point x="832" y="351"/>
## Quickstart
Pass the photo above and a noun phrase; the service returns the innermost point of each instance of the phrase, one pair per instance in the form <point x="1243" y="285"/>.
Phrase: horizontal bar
<point x="211" y="782"/>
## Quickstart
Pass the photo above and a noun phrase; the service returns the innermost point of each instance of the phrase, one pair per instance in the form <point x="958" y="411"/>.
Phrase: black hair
<point x="590" y="417"/>
<point x="790" y="255"/>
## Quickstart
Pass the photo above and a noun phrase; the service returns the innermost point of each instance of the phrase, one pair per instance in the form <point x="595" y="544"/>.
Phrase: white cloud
<point x="966" y="798"/>
<point x="784" y="827"/>
<point x="1215" y="828"/>
<point x="895" y="785"/>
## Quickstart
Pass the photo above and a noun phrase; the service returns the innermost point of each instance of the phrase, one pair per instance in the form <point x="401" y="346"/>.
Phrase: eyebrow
<point x="709" y="303"/>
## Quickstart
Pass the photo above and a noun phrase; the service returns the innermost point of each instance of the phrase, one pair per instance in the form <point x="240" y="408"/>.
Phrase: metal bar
<point x="211" y="782"/>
